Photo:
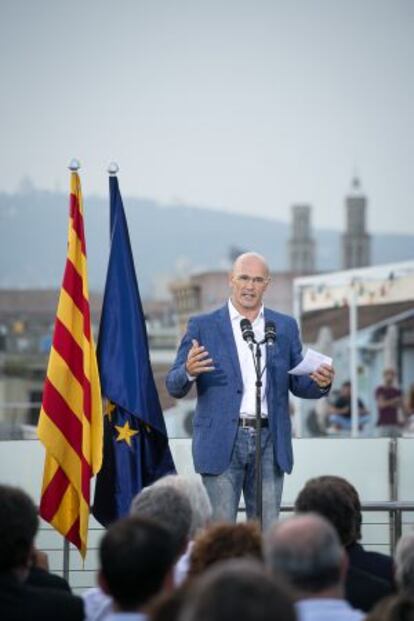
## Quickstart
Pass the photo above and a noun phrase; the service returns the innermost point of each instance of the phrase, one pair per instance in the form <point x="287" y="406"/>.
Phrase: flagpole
<point x="66" y="558"/>
<point x="74" y="165"/>
<point x="136" y="448"/>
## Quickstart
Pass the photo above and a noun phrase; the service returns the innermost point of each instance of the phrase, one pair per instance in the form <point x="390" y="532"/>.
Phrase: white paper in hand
<point x="312" y="361"/>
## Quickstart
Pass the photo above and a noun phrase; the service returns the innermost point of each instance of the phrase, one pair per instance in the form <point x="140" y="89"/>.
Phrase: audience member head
<point x="333" y="498"/>
<point x="170" y="508"/>
<point x="239" y="590"/>
<point x="307" y="551"/>
<point x="136" y="560"/>
<point x="195" y="492"/>
<point x="404" y="564"/>
<point x="18" y="528"/>
<point x="395" y="608"/>
<point x="223" y="541"/>
<point x="349" y="489"/>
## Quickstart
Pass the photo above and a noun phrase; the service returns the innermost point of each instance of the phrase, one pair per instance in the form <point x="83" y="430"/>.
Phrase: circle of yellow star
<point x="125" y="433"/>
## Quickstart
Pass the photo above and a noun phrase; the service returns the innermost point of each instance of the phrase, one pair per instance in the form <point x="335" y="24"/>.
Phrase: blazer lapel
<point x="226" y="331"/>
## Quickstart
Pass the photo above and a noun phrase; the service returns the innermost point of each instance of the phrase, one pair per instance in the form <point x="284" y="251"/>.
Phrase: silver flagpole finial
<point x="74" y="165"/>
<point x="113" y="168"/>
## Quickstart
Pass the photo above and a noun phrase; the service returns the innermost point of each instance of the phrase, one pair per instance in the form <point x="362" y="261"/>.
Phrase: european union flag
<point x="136" y="451"/>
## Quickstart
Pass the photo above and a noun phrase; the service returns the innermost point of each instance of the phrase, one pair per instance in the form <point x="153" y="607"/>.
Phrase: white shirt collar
<point x="234" y="313"/>
<point x="127" y="616"/>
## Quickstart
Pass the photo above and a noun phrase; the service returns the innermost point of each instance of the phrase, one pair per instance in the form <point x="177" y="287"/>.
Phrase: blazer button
<point x="239" y="391"/>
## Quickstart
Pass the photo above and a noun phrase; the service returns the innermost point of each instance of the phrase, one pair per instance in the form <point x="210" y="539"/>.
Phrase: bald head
<point x="307" y="550"/>
<point x="250" y="259"/>
<point x="248" y="281"/>
<point x="303" y="530"/>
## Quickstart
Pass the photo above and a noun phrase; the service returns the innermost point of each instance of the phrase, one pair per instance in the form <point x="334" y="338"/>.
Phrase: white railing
<point x="382" y="470"/>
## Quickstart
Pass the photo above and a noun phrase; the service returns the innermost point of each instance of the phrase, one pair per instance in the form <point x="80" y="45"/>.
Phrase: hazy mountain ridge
<point x="167" y="240"/>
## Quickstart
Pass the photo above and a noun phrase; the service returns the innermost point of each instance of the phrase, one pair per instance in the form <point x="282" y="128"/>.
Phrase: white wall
<point x="363" y="461"/>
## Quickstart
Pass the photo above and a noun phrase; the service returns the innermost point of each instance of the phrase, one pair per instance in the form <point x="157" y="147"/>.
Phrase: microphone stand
<point x="269" y="339"/>
<point x="257" y="360"/>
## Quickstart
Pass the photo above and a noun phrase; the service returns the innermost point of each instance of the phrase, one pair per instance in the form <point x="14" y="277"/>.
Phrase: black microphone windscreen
<point x="270" y="332"/>
<point x="247" y="330"/>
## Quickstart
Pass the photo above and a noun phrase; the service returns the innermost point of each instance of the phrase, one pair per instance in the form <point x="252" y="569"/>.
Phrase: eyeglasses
<point x="243" y="279"/>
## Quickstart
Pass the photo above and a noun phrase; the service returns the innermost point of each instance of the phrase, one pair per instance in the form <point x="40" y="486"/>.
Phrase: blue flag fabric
<point x="136" y="450"/>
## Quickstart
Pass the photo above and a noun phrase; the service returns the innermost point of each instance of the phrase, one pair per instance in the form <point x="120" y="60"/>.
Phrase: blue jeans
<point x="225" y="489"/>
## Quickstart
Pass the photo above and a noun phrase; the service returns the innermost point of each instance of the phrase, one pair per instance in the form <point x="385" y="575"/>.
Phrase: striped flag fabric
<point x="70" y="421"/>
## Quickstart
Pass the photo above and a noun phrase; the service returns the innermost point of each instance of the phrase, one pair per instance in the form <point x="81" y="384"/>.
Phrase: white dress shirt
<point x="248" y="373"/>
<point x="98" y="605"/>
<point x="127" y="616"/>
<point x="183" y="565"/>
<point x="315" y="609"/>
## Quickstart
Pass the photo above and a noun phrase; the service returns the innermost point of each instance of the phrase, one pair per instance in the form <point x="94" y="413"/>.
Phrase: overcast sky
<point x="243" y="105"/>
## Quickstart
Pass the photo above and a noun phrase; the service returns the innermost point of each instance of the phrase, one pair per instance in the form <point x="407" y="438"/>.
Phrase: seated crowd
<point x="167" y="561"/>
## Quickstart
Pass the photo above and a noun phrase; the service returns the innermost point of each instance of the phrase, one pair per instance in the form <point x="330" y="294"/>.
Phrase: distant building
<point x="385" y="339"/>
<point x="27" y="319"/>
<point x="301" y="243"/>
<point x="356" y="242"/>
<point x="380" y="301"/>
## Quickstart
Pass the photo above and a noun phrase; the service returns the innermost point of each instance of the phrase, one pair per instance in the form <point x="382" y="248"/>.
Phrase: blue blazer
<point x="219" y="392"/>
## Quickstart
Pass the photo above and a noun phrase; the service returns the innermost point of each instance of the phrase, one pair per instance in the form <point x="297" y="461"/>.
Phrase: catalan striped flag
<point x="70" y="422"/>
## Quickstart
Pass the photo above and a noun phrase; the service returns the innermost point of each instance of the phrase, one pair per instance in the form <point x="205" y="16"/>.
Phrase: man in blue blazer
<point x="213" y="354"/>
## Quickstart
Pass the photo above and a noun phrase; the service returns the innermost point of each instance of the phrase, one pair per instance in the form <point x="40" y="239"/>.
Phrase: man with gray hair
<point x="195" y="492"/>
<point x="307" y="551"/>
<point x="167" y="506"/>
<point x="201" y="512"/>
<point x="404" y="564"/>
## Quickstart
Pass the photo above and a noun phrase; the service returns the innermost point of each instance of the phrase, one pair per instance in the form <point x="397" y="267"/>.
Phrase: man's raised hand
<point x="198" y="360"/>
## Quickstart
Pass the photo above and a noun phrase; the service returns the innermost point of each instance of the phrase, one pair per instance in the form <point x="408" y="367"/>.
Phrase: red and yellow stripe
<point x="70" y="422"/>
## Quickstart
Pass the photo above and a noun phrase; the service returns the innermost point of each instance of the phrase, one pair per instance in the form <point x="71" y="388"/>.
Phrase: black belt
<point x="251" y="422"/>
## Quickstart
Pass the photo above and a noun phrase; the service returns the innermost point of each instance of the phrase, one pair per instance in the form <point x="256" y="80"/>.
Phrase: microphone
<point x="247" y="331"/>
<point x="270" y="333"/>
